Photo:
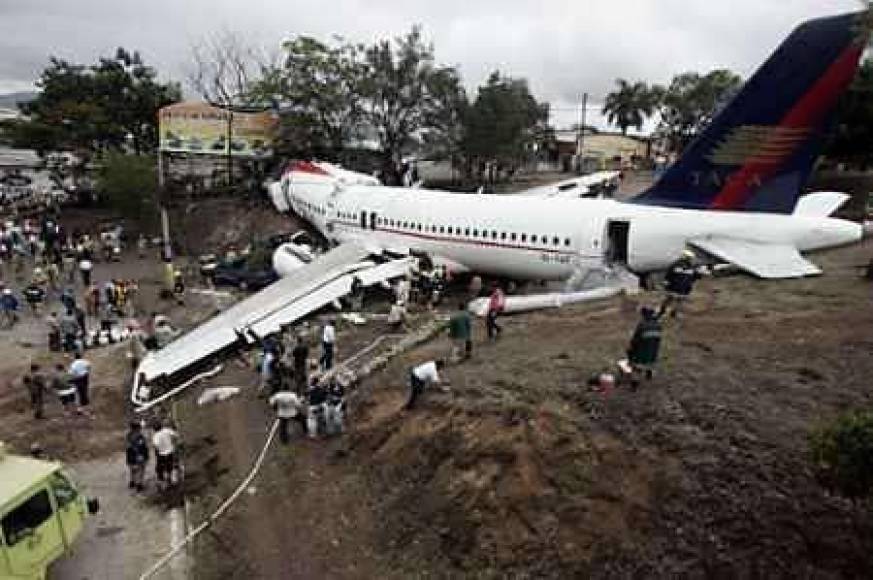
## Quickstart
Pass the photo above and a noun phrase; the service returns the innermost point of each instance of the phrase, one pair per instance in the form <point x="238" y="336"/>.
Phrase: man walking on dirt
<point x="63" y="388"/>
<point x="421" y="376"/>
<point x="645" y="344"/>
<point x="34" y="381"/>
<point x="496" y="303"/>
<point x="680" y="281"/>
<point x="300" y="355"/>
<point x="80" y="376"/>
<point x="137" y="452"/>
<point x="287" y="405"/>
<point x="328" y="342"/>
<point x="164" y="441"/>
<point x="460" y="334"/>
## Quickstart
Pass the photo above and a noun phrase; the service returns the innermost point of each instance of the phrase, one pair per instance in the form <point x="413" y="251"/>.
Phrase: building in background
<point x="204" y="147"/>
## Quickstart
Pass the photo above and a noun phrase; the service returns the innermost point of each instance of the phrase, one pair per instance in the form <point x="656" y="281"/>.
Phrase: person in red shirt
<point x="495" y="307"/>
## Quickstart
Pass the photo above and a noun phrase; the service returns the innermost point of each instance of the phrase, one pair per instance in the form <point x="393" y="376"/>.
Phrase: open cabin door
<point x="616" y="246"/>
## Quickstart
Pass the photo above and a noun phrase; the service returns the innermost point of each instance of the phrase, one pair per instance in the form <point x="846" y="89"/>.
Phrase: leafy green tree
<point x="853" y="138"/>
<point x="128" y="184"/>
<point x="318" y="91"/>
<point x="86" y="110"/>
<point x="405" y="92"/>
<point x="843" y="454"/>
<point x="631" y="104"/>
<point x="690" y="102"/>
<point x="503" y="123"/>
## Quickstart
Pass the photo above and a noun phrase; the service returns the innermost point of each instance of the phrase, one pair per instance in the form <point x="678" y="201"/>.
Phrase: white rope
<point x="165" y="559"/>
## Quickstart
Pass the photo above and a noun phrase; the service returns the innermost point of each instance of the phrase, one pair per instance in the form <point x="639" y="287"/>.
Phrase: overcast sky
<point x="563" y="47"/>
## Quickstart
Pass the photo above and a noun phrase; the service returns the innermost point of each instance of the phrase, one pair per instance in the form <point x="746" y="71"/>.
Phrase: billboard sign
<point x="200" y="128"/>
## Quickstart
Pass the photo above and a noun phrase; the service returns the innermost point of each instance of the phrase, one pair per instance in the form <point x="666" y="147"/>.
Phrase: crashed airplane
<point x="735" y="196"/>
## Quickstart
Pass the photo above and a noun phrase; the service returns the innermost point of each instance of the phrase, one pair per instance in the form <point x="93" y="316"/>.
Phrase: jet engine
<point x="289" y="257"/>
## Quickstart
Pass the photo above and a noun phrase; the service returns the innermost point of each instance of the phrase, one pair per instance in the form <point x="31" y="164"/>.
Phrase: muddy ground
<point x="518" y="469"/>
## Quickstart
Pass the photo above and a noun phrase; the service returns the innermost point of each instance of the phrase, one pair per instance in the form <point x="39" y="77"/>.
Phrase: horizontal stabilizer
<point x="820" y="204"/>
<point x="769" y="261"/>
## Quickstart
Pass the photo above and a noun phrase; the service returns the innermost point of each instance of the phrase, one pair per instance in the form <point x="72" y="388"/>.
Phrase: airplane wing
<point x="326" y="279"/>
<point x="592" y="185"/>
<point x="769" y="261"/>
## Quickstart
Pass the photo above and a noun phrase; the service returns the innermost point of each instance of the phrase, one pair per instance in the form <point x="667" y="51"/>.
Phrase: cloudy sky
<point x="564" y="47"/>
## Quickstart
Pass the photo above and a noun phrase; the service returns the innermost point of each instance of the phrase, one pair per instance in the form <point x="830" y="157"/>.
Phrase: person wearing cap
<point x="680" y="280"/>
<point x="137" y="455"/>
<point x="9" y="306"/>
<point x="645" y="344"/>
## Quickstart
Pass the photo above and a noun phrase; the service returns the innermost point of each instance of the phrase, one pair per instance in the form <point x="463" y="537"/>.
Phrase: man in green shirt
<point x="460" y="333"/>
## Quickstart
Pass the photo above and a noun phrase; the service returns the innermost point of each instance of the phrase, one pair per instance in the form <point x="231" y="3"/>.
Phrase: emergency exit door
<point x="617" y="236"/>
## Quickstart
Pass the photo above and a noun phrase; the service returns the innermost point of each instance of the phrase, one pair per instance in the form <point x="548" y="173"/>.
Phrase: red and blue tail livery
<point x="758" y="152"/>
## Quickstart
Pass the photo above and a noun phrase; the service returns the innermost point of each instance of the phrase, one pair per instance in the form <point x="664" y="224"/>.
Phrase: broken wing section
<point x="284" y="302"/>
<point x="769" y="261"/>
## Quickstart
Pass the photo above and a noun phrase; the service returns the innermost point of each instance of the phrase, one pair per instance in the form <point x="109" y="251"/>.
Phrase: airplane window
<point x="502" y="235"/>
<point x="567" y="242"/>
<point x="556" y="241"/>
<point x="494" y="235"/>
<point x="466" y="231"/>
<point x="523" y="237"/>
<point x="442" y="229"/>
<point x="419" y="227"/>
<point x="512" y="237"/>
<point x="533" y="239"/>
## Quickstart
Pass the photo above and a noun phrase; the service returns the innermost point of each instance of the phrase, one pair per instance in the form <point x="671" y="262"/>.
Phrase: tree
<point x="83" y="110"/>
<point x="129" y="185"/>
<point x="631" y="104"/>
<point x="404" y="92"/>
<point x="503" y="123"/>
<point x="853" y="138"/>
<point x="225" y="68"/>
<point x="843" y="454"/>
<point x="691" y="101"/>
<point x="318" y="91"/>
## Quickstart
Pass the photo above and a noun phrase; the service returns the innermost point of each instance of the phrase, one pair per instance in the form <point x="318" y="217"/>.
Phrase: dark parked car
<point x="241" y="277"/>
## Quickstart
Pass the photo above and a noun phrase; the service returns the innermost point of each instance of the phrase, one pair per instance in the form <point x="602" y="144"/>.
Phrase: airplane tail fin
<point x="758" y="152"/>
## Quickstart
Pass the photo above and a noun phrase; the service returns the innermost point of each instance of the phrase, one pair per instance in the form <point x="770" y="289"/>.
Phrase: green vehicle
<point x="41" y="514"/>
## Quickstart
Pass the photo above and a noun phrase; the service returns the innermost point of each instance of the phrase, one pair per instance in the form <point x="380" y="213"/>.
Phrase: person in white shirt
<point x="421" y="376"/>
<point x="287" y="405"/>
<point x="85" y="267"/>
<point x="80" y="376"/>
<point x="328" y="342"/>
<point x="165" y="440"/>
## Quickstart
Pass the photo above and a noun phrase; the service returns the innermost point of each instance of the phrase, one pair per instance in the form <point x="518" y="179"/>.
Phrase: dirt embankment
<point x="520" y="470"/>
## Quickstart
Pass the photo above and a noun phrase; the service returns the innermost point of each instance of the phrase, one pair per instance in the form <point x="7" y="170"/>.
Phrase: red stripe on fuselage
<point x="306" y="167"/>
<point x="808" y="112"/>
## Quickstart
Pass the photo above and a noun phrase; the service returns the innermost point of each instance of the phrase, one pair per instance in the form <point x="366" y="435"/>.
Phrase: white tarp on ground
<point x="284" y="302"/>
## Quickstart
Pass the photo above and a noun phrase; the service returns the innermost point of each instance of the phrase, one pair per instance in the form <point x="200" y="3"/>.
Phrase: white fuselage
<point x="535" y="238"/>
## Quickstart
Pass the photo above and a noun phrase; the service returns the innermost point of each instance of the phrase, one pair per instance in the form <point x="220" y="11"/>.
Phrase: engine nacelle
<point x="290" y="257"/>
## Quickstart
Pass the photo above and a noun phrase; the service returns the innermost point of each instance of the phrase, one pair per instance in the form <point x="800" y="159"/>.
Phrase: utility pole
<point x="580" y="137"/>
<point x="229" y="113"/>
